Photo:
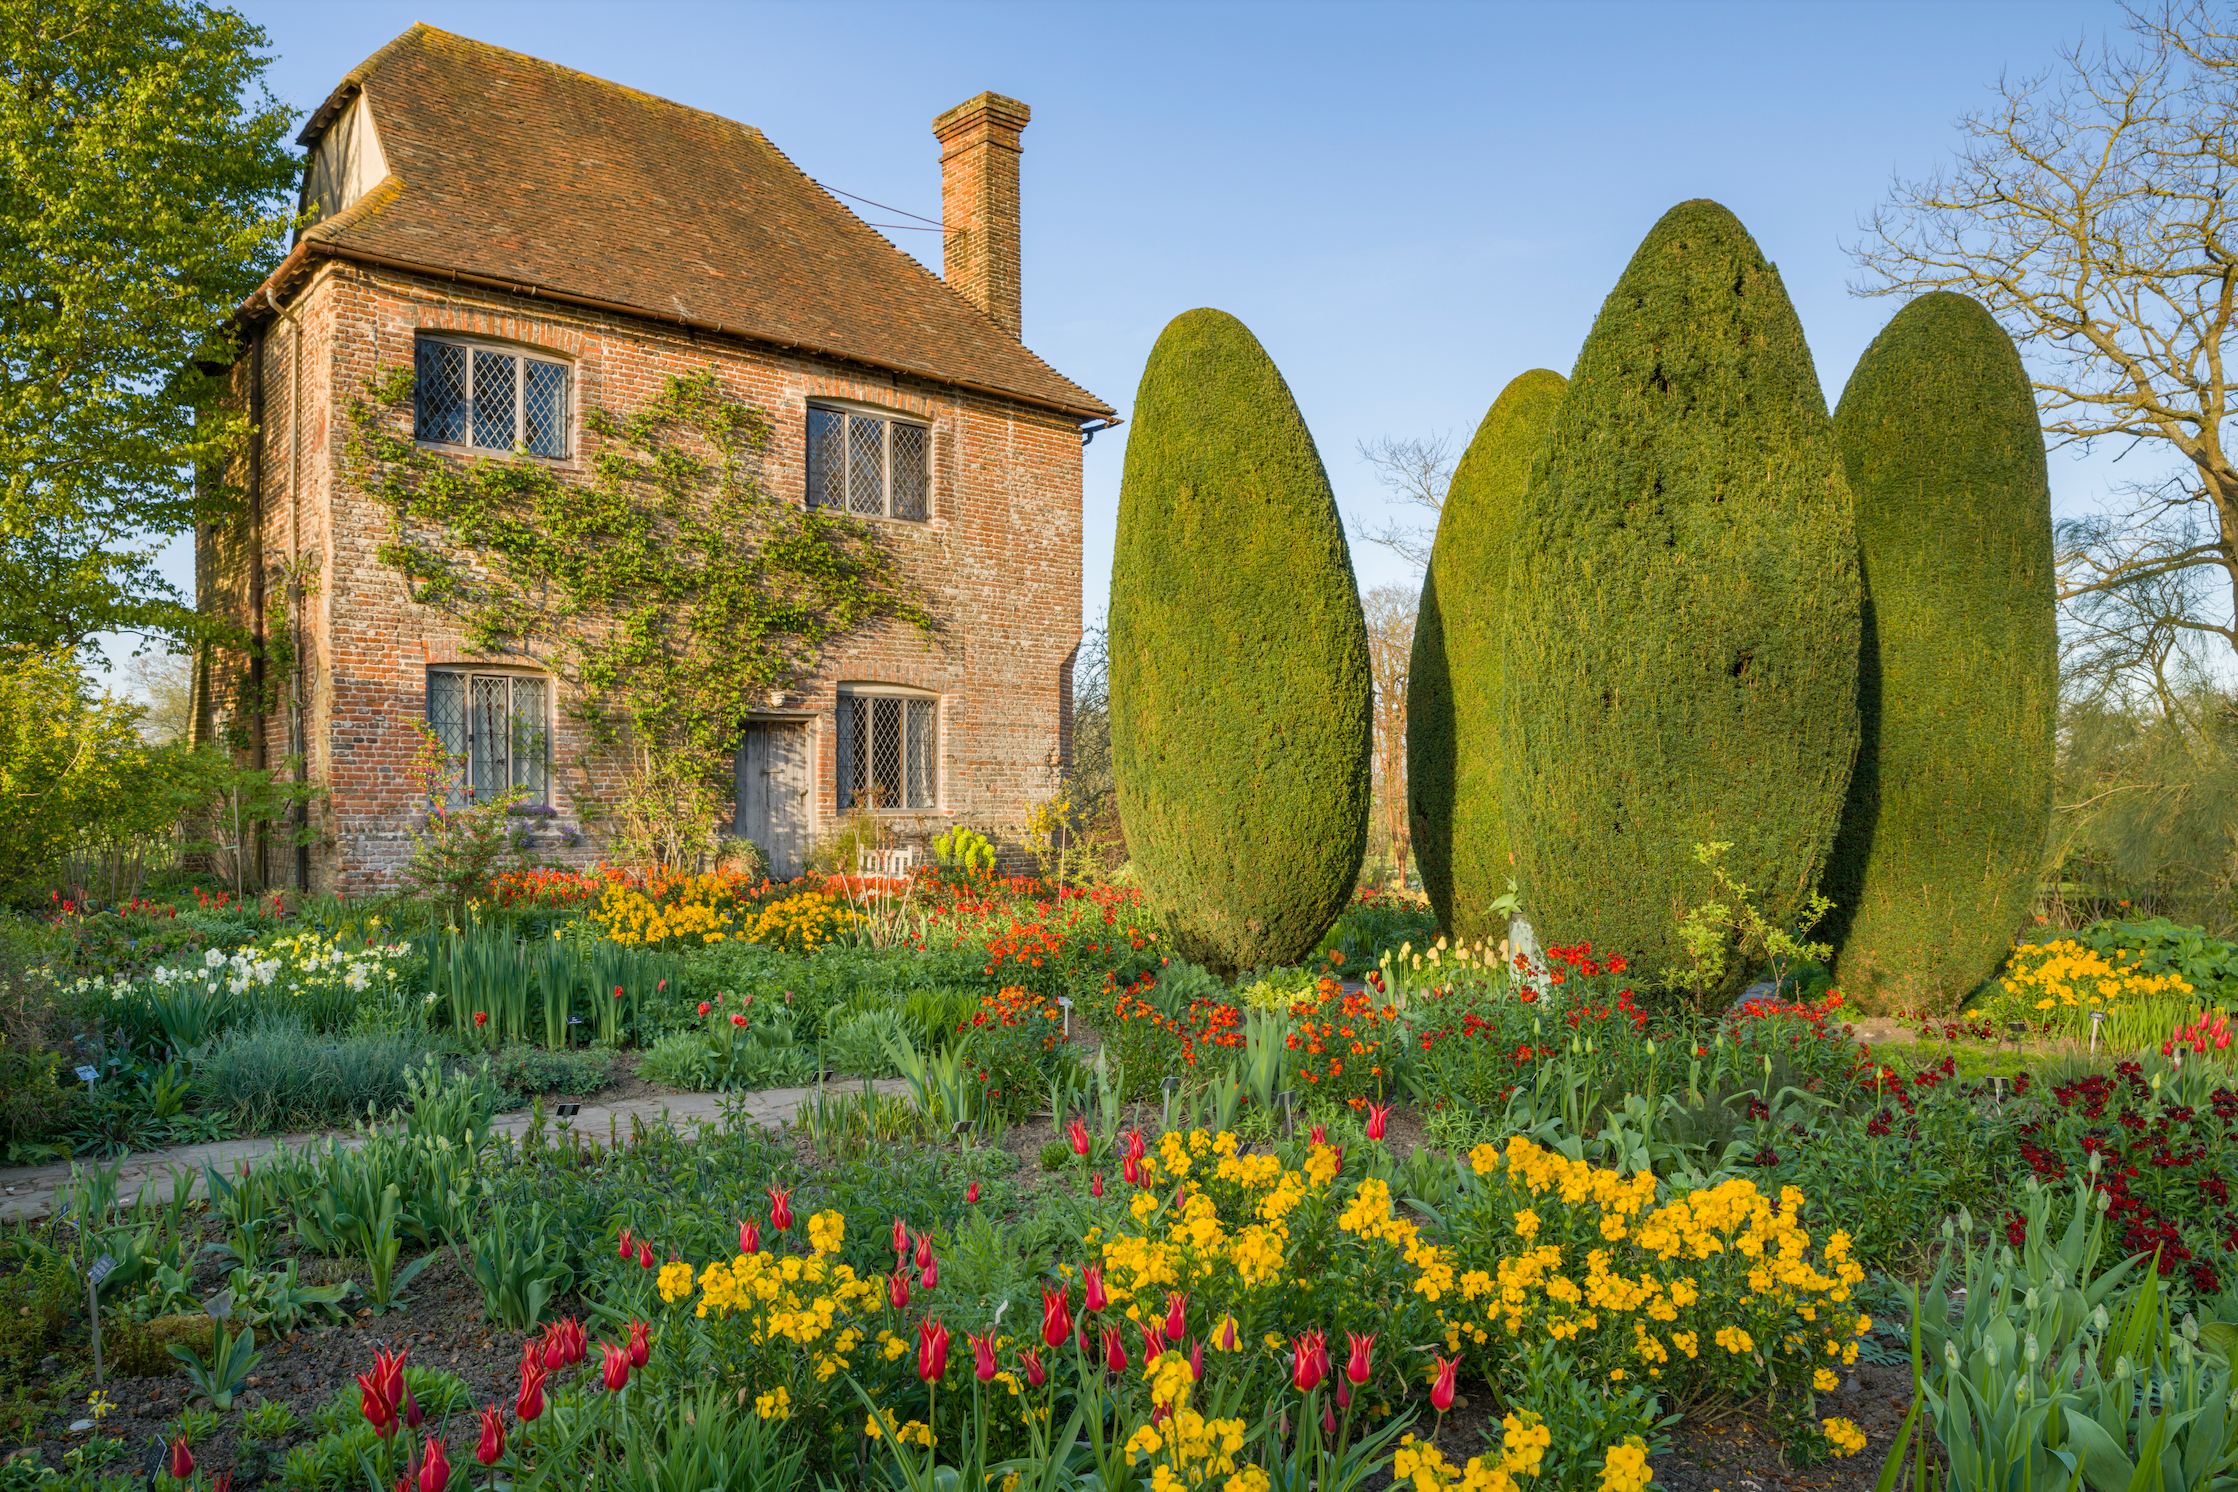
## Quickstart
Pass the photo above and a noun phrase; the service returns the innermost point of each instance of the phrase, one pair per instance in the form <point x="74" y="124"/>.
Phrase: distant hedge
<point x="1240" y="690"/>
<point x="1683" y="606"/>
<point x="1460" y="645"/>
<point x="1958" y="691"/>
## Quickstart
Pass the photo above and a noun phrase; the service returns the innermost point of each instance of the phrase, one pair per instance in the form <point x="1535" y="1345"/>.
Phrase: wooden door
<point x="772" y="772"/>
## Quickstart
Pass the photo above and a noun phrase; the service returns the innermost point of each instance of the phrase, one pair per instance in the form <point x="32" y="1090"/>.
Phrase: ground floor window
<point x="496" y="729"/>
<point x="889" y="749"/>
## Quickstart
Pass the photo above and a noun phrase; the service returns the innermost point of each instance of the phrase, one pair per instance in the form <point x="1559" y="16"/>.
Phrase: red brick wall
<point x="999" y="561"/>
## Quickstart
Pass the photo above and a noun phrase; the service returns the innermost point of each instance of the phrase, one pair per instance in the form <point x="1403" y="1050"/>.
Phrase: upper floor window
<point x="489" y="399"/>
<point x="866" y="463"/>
<point x="889" y="748"/>
<point x="496" y="729"/>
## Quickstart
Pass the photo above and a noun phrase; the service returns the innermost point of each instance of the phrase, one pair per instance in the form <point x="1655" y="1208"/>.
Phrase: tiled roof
<point x="510" y="169"/>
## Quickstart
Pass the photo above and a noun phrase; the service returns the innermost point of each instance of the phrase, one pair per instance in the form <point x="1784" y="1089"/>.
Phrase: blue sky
<point x="1408" y="203"/>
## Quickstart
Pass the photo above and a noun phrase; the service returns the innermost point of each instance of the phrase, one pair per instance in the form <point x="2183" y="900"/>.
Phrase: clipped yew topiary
<point x="1460" y="644"/>
<point x="1958" y="683"/>
<point x="1683" y="608"/>
<point x="1240" y="690"/>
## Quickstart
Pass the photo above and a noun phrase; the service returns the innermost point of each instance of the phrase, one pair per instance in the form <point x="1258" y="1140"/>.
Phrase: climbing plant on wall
<point x="664" y="584"/>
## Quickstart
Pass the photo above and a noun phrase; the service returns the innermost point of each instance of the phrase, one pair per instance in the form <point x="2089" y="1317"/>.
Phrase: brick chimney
<point x="979" y="203"/>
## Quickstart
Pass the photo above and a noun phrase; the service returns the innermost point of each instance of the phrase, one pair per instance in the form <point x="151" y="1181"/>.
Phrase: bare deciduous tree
<point x="2090" y="209"/>
<point x="1390" y="611"/>
<point x="1416" y="471"/>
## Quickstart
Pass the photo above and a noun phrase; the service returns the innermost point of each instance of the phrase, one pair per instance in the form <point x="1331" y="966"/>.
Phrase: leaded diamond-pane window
<point x="544" y="408"/>
<point x="495" y="730"/>
<point x="889" y="751"/>
<point x="869" y="465"/>
<point x="489" y="400"/>
<point x="441" y="413"/>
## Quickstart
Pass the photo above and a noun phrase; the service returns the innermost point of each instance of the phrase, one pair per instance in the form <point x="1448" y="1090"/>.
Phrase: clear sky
<point x="1408" y="203"/>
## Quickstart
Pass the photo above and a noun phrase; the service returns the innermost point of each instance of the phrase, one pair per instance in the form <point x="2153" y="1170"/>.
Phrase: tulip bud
<point x="1177" y="1316"/>
<point x="530" y="1403"/>
<point x="182" y="1459"/>
<point x="1441" y="1389"/>
<point x="645" y="1256"/>
<point x="640" y="1343"/>
<point x="901" y="1238"/>
<point x="1114" y="1351"/>
<point x="1095" y="1185"/>
<point x="615" y="1369"/>
<point x="931" y="1276"/>
<point x="1036" y="1374"/>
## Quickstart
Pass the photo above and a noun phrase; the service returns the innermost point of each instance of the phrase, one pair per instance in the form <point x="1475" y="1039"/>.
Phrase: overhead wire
<point x="905" y="212"/>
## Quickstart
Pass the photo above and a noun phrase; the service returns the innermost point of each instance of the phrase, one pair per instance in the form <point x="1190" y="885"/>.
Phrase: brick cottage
<point x="536" y="242"/>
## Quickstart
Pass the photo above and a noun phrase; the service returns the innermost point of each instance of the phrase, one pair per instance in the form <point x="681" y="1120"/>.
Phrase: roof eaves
<point x="299" y="262"/>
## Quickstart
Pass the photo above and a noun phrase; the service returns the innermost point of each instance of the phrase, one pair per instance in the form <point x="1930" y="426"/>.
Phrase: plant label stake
<point x="101" y="1269"/>
<point x="2097" y="1019"/>
<point x="1064" y="1003"/>
<point x="87" y="1074"/>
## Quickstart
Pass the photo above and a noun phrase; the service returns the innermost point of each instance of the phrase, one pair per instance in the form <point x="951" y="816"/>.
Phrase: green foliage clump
<point x="1684" y="658"/>
<point x="520" y="1069"/>
<point x="1460" y="647"/>
<point x="274" y="1072"/>
<point x="1240" y="687"/>
<point x="1958" y="685"/>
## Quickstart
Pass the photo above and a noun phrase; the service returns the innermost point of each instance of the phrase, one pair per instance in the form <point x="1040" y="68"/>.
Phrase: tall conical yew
<point x="1240" y="690"/>
<point x="1959" y="684"/>
<point x="1683" y="605"/>
<point x="1460" y="644"/>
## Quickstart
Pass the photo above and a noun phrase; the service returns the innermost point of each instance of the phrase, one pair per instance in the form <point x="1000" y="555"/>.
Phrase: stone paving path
<point x="30" y="1191"/>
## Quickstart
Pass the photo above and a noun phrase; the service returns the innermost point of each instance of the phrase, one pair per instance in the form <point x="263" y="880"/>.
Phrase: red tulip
<point x="481" y="1017"/>
<point x="616" y="1367"/>
<point x="1344" y="1395"/>
<point x="931" y="1276"/>
<point x="1078" y="1133"/>
<point x="971" y="1195"/>
<point x="627" y="1249"/>
<point x="932" y="1351"/>
<point x="182" y="1459"/>
<point x="413" y="1419"/>
<point x="378" y="1412"/>
<point x="492" y="1444"/>
<point x="1441" y="1391"/>
<point x="529" y="1405"/>
<point x="1056" y="1316"/>
<point x="1360" y="1366"/>
<point x="781" y="1208"/>
<point x="1224" y="1335"/>
<point x="435" y="1468"/>
<point x="1114" y="1351"/>
<point x="1036" y="1374"/>
<point x="555" y="1348"/>
<point x="1328" y="1420"/>
<point x="1095" y="1185"/>
<point x="704" y="1007"/>
<point x="1378" y="1115"/>
<point x="749" y="1238"/>
<point x="577" y="1347"/>
<point x="1135" y="1147"/>
<point x="1321" y="1134"/>
<point x="388" y="1371"/>
<point x="1092" y="1279"/>
<point x="901" y="1238"/>
<point x="897" y="1290"/>
<point x="645" y="1256"/>
<point x="983" y="1358"/>
<point x="1336" y="1160"/>
<point x="224" y="1483"/>
<point x="1131" y="1171"/>
<point x="1196" y="1362"/>
<point x="1177" y="1315"/>
<point x="924" y="1251"/>
<point x="738" y="1020"/>
<point x="1305" y="1368"/>
<point x="640" y="1342"/>
<point x="617" y="992"/>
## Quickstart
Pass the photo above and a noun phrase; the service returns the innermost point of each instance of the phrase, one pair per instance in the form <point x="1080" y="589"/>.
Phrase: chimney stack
<point x="979" y="203"/>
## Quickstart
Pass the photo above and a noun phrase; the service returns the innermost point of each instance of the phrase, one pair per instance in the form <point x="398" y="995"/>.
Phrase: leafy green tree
<point x="1684" y="602"/>
<point x="1460" y="645"/>
<point x="1958" y="684"/>
<point x="1240" y="686"/>
<point x="146" y="188"/>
